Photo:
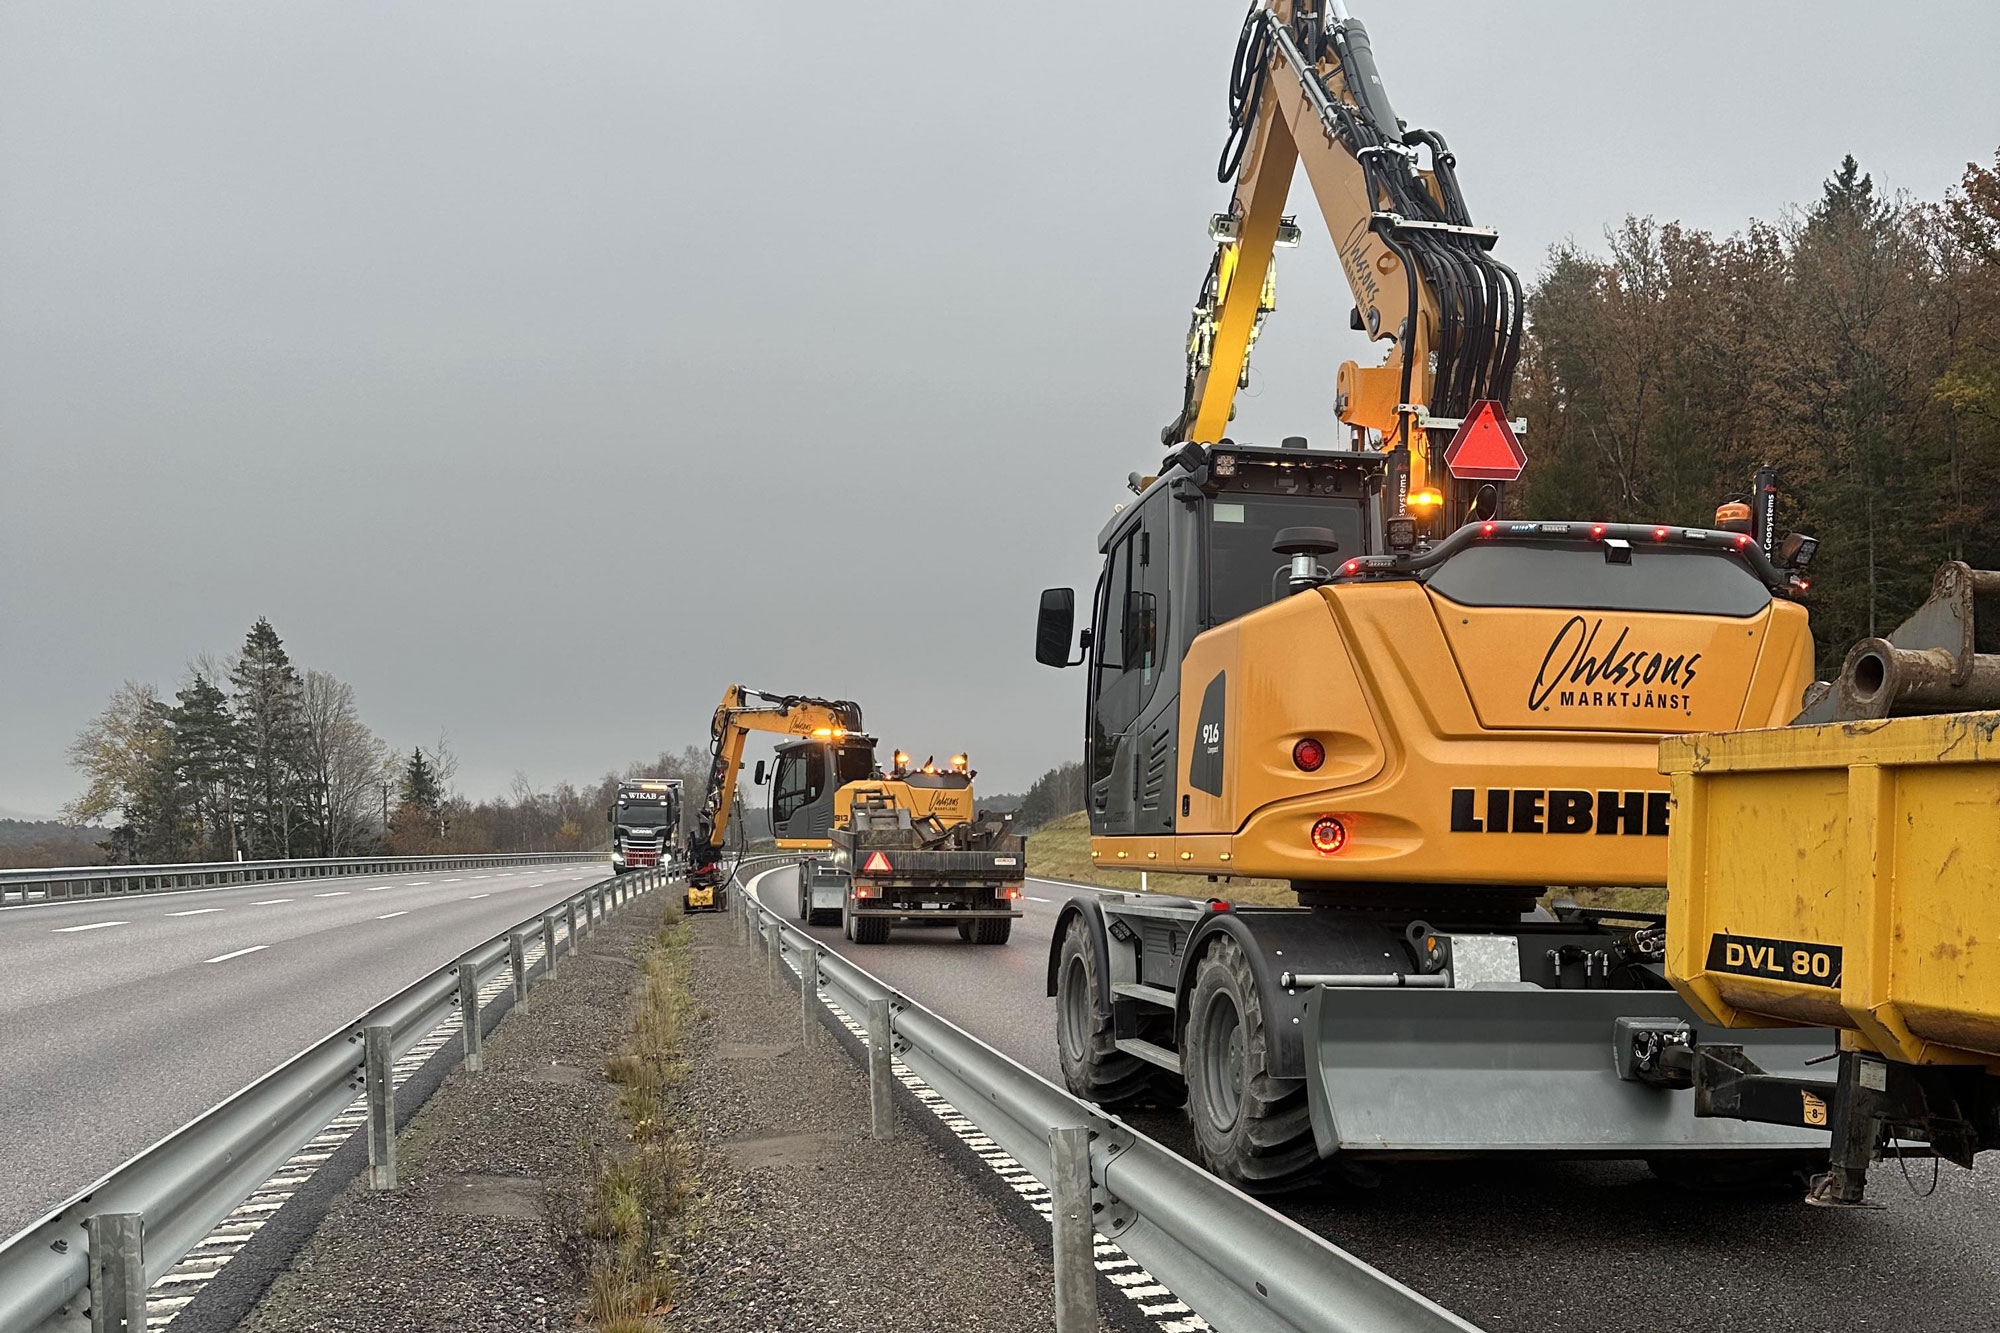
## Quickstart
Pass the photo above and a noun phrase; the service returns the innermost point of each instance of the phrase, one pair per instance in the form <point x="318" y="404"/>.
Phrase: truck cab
<point x="645" y="820"/>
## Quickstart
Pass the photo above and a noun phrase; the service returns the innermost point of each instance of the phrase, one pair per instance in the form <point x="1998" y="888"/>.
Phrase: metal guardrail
<point x="66" y="882"/>
<point x="1237" y="1263"/>
<point x="149" y="1212"/>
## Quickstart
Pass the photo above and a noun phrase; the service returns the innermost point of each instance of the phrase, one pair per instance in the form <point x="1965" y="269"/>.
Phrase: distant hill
<point x="27" y="844"/>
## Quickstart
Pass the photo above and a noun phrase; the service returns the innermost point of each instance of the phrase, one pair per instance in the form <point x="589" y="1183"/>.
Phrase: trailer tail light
<point x="1329" y="835"/>
<point x="1659" y="534"/>
<point x="1308" y="755"/>
<point x="866" y="890"/>
<point x="1011" y="891"/>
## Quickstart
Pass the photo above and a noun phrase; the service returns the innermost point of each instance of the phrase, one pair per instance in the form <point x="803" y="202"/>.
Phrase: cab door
<point x="1131" y="742"/>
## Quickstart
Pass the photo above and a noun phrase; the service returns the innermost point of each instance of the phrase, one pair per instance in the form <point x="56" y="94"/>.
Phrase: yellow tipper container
<point x="1846" y="875"/>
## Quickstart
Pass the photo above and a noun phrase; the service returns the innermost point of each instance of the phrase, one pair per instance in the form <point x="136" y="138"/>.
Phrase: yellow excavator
<point x="828" y="729"/>
<point x="877" y="848"/>
<point x="1349" y="668"/>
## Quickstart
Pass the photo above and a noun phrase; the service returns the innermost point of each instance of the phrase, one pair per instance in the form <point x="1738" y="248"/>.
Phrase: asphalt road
<point x="122" y="1019"/>
<point x="1544" y="1246"/>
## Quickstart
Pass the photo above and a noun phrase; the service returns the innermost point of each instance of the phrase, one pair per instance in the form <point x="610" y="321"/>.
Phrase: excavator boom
<point x="1305" y="91"/>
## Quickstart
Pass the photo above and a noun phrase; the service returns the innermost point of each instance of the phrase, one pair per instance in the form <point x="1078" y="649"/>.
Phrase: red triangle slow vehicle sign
<point x="876" y="864"/>
<point x="1485" y="448"/>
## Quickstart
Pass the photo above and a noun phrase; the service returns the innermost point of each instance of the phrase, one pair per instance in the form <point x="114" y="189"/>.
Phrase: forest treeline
<point x="253" y="759"/>
<point x="1853" y="344"/>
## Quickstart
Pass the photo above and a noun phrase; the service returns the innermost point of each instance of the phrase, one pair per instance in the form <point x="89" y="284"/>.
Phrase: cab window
<point x="801" y="778"/>
<point x="1243" y="571"/>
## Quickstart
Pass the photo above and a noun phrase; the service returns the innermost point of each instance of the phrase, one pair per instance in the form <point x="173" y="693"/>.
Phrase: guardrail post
<point x="808" y="996"/>
<point x="517" y="957"/>
<point x="468" y="1016"/>
<point x="379" y="1069"/>
<point x="881" y="1107"/>
<point x="548" y="945"/>
<point x="1075" y="1248"/>
<point x="570" y="907"/>
<point x="743" y="920"/>
<point x="117" y="1272"/>
<point x="774" y="959"/>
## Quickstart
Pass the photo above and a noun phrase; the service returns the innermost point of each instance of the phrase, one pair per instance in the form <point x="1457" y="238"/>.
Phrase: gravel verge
<point x="808" y="1223"/>
<point x="464" y="1242"/>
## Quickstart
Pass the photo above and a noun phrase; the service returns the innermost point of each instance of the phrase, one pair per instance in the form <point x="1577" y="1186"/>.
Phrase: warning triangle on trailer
<point x="876" y="864"/>
<point x="1485" y="447"/>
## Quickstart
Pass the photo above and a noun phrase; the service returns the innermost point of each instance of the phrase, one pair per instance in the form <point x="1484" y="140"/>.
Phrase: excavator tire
<point x="1093" y="1066"/>
<point x="1253" y="1130"/>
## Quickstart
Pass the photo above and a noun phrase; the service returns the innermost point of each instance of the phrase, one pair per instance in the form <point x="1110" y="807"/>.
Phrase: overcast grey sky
<point x="541" y="368"/>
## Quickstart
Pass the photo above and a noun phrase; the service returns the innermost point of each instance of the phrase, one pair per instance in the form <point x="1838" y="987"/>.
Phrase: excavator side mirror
<point x="1055" y="627"/>
<point x="757" y="774"/>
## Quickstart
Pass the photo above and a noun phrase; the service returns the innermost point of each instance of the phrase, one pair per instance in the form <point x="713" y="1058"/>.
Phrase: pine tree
<point x="208" y="757"/>
<point x="268" y="703"/>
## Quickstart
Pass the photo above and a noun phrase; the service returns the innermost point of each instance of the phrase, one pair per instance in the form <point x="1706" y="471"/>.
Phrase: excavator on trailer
<point x="875" y="848"/>
<point x="1350" y="669"/>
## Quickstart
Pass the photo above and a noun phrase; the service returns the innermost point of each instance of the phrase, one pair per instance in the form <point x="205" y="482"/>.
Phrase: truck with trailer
<point x="910" y="848"/>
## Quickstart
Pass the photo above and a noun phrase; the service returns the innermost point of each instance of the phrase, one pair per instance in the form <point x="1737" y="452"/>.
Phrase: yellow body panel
<point x="701" y="897"/>
<point x="951" y="805"/>
<point x="1846" y="875"/>
<point x="1373" y="672"/>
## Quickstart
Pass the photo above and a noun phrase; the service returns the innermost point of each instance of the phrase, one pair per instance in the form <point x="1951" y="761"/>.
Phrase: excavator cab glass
<point x="808" y="774"/>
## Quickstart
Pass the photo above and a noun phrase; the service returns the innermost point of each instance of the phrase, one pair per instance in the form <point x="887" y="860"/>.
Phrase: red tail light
<point x="1309" y="754"/>
<point x="1329" y="835"/>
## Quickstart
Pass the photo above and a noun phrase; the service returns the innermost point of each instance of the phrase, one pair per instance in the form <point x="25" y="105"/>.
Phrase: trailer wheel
<point x="990" y="930"/>
<point x="1086" y="1043"/>
<point x="1253" y="1130"/>
<point x="867" y="929"/>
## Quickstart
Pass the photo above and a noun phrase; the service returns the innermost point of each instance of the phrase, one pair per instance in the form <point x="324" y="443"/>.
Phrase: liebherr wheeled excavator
<point x="1348" y="668"/>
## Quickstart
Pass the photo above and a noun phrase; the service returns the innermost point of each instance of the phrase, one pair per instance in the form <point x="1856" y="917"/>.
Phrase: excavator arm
<point x="1305" y="91"/>
<point x="742" y="711"/>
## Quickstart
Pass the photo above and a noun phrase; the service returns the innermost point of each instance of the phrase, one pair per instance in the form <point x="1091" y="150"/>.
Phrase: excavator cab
<point x="1198" y="549"/>
<point x="807" y="775"/>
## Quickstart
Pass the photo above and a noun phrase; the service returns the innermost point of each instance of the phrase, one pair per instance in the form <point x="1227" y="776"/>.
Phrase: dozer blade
<point x="1529" y="1070"/>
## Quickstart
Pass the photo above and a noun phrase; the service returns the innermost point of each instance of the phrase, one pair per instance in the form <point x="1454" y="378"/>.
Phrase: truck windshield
<point x="1242" y="568"/>
<point x="642" y="814"/>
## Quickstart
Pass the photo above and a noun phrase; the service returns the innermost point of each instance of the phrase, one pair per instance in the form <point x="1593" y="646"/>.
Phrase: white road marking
<point x="196" y="911"/>
<point x="386" y="915"/>
<point x="337" y="893"/>
<point x="266" y="902"/>
<point x="225" y="957"/>
<point x="418" y="883"/>
<point x="375" y="888"/>
<point x="1033" y="899"/>
<point x="451" y="881"/>
<point x="477" y="896"/>
<point x="95" y="925"/>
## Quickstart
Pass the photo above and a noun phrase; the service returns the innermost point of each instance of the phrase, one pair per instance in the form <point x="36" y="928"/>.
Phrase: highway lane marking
<point x="225" y="957"/>
<point x="386" y="915"/>
<point x="1033" y="899"/>
<point x="266" y="902"/>
<point x="375" y="888"/>
<point x="451" y="881"/>
<point x="196" y="911"/>
<point x="337" y="893"/>
<point x="477" y="896"/>
<point x="418" y="883"/>
<point x="95" y="925"/>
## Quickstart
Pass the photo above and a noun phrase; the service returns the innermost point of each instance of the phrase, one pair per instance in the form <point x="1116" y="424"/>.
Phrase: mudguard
<point x="1287" y="939"/>
<point x="1089" y="909"/>
<point x="1518" y="1070"/>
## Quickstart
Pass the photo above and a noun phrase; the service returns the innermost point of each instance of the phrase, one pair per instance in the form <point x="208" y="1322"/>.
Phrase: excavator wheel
<point x="1093" y="1066"/>
<point x="1253" y="1130"/>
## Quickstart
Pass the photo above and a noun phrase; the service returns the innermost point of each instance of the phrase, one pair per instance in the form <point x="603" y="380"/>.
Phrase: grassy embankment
<point x="626" y="1238"/>
<point x="1060" y="849"/>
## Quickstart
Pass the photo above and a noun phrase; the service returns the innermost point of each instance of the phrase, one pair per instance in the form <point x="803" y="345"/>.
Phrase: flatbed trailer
<point x="887" y="870"/>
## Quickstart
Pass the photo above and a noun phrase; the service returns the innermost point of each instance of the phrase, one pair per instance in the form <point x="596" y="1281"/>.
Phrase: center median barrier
<point x="143" y="1216"/>
<point x="1234" y="1261"/>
